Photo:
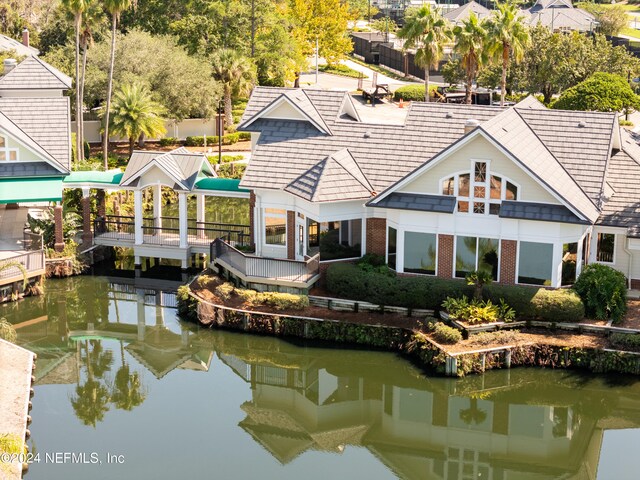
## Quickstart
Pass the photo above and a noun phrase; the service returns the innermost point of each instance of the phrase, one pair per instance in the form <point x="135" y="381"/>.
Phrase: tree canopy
<point x="602" y="92"/>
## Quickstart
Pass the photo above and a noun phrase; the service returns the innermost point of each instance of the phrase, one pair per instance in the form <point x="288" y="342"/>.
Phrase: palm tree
<point x="91" y="19"/>
<point x="236" y="73"/>
<point x="470" y="38"/>
<point x="426" y="31"/>
<point x="76" y="8"/>
<point x="508" y="38"/>
<point x="115" y="8"/>
<point x="135" y="114"/>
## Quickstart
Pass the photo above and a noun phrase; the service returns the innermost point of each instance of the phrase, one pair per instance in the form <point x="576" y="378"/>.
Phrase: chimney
<point x="25" y="37"/>
<point x="470" y="124"/>
<point x="9" y="64"/>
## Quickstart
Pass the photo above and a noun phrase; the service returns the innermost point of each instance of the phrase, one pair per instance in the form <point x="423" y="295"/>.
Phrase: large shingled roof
<point x="33" y="73"/>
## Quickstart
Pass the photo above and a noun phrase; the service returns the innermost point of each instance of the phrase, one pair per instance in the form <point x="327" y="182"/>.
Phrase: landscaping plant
<point x="604" y="292"/>
<point x="444" y="334"/>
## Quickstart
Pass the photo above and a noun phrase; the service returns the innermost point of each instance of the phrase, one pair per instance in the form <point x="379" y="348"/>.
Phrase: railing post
<point x="137" y="218"/>
<point x="183" y="220"/>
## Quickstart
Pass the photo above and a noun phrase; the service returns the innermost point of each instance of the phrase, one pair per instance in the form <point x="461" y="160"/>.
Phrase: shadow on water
<point x="112" y="341"/>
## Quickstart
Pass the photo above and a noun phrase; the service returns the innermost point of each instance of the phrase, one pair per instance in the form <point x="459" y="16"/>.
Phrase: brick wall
<point x="445" y="256"/>
<point x="87" y="235"/>
<point x="508" y="253"/>
<point x="377" y="236"/>
<point x="58" y="233"/>
<point x="291" y="235"/>
<point x="252" y="204"/>
<point x="635" y="284"/>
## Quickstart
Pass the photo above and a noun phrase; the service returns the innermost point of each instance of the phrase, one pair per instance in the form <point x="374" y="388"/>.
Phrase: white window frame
<point x="404" y="241"/>
<point x="7" y="151"/>
<point x="487" y="200"/>
<point x="264" y="226"/>
<point x="518" y="249"/>
<point x="477" y="237"/>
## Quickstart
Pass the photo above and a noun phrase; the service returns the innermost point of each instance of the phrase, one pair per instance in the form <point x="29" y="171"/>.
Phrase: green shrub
<point x="413" y="93"/>
<point x="557" y="305"/>
<point x="501" y="337"/>
<point x="282" y="301"/>
<point x="444" y="334"/>
<point x="225" y="290"/>
<point x="198" y="141"/>
<point x="604" y="292"/>
<point x="187" y="305"/>
<point x="231" y="170"/>
<point x="166" y="141"/>
<point x="478" y="311"/>
<point x="244" y="136"/>
<point x="625" y="341"/>
<point x="248" y="296"/>
<point x="340" y="69"/>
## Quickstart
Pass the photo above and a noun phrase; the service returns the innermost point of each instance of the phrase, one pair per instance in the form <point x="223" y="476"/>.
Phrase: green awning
<point x="21" y="190"/>
<point x="220" y="184"/>
<point x="110" y="177"/>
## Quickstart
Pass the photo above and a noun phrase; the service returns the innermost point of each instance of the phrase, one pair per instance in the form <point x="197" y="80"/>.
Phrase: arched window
<point x="479" y="191"/>
<point x="7" y="154"/>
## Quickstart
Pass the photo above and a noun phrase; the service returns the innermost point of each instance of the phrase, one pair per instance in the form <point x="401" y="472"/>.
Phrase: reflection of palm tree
<point x="127" y="390"/>
<point x="473" y="414"/>
<point x="91" y="399"/>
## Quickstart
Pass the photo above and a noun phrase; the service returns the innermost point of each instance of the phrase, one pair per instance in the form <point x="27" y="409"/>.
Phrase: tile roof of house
<point x="336" y="177"/>
<point x="568" y="151"/>
<point x="559" y="15"/>
<point x="538" y="211"/>
<point x="181" y="165"/>
<point x="464" y="12"/>
<point x="622" y="209"/>
<point x="33" y="73"/>
<point x="420" y="202"/>
<point x="46" y="122"/>
<point x="8" y="43"/>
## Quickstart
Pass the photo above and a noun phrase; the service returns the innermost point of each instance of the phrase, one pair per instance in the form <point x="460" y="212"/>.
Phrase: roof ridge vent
<point x="449" y="115"/>
<point x="470" y="125"/>
<point x="367" y="134"/>
<point x="582" y="124"/>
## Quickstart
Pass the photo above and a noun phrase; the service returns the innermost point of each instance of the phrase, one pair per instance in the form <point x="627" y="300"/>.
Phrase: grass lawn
<point x="631" y="32"/>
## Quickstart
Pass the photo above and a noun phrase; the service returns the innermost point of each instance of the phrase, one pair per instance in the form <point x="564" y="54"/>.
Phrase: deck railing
<point x="198" y="233"/>
<point x="31" y="262"/>
<point x="255" y="267"/>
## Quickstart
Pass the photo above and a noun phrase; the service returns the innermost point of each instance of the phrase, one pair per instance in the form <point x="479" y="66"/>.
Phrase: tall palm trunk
<point x="503" y="79"/>
<point x="228" y="106"/>
<point x="82" y="78"/>
<point x="78" y="112"/>
<point x="105" y="140"/>
<point x="132" y="145"/>
<point x="426" y="84"/>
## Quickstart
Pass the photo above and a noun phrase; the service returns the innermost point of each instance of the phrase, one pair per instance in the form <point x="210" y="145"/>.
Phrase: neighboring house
<point x="35" y="147"/>
<point x="527" y="193"/>
<point x="560" y="15"/>
<point x="460" y="14"/>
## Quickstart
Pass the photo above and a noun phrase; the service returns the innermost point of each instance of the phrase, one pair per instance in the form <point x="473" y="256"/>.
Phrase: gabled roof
<point x="300" y="102"/>
<point x="464" y="12"/>
<point x="335" y="178"/>
<point x="33" y="73"/>
<point x="180" y="165"/>
<point x="530" y="102"/>
<point x="19" y="135"/>
<point x="45" y="120"/>
<point x="559" y="14"/>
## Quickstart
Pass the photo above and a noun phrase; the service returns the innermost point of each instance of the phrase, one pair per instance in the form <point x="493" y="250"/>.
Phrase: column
<point x="200" y="214"/>
<point x="87" y="235"/>
<point x="182" y="219"/>
<point x="137" y="213"/>
<point x="376" y="236"/>
<point x="579" y="254"/>
<point x="157" y="206"/>
<point x="508" y="255"/>
<point x="291" y="235"/>
<point x="445" y="256"/>
<point x="556" y="272"/>
<point x="58" y="232"/>
<point x="252" y="219"/>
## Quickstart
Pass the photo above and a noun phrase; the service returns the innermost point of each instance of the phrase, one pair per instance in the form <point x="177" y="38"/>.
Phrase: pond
<point x="119" y="375"/>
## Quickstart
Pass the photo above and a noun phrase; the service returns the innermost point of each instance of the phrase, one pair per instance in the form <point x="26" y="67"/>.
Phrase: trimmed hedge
<point x="350" y="281"/>
<point x="413" y="93"/>
<point x="445" y="334"/>
<point x="627" y="341"/>
<point x="228" y="139"/>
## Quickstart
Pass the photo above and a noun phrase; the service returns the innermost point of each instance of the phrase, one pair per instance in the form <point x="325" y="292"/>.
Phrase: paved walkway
<point x="16" y="366"/>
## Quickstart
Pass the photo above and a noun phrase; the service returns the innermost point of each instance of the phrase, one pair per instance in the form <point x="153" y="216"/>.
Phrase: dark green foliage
<point x="478" y="311"/>
<point x="340" y="69"/>
<point x="383" y="337"/>
<point x="351" y="281"/>
<point x="166" y="141"/>
<point x="625" y="341"/>
<point x="602" y="92"/>
<point x="375" y="263"/>
<point x="228" y="139"/>
<point x="412" y="93"/>
<point x="604" y="292"/>
<point x="444" y="334"/>
<point x="187" y="305"/>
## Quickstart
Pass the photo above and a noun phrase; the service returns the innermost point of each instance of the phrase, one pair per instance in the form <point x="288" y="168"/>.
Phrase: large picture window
<point x="275" y="226"/>
<point x="474" y="253"/>
<point x="606" y="247"/>
<point x="335" y="240"/>
<point x="481" y="192"/>
<point x="420" y="252"/>
<point x="535" y="263"/>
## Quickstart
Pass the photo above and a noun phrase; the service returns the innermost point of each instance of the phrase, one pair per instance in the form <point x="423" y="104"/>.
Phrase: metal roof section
<point x="110" y="177"/>
<point x="335" y="178"/>
<point x="418" y="202"/>
<point x="8" y="43"/>
<point x="539" y="211"/>
<point x="28" y="169"/>
<point x="35" y="74"/>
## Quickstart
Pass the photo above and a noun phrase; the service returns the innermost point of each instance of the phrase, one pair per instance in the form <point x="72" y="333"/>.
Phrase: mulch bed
<point x="206" y="291"/>
<point x="632" y="317"/>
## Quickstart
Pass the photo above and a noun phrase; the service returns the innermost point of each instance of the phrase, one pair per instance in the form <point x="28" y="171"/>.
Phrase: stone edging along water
<point x="417" y="346"/>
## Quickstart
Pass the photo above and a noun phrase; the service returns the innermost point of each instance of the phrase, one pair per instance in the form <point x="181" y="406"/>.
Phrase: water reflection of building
<point x="426" y="429"/>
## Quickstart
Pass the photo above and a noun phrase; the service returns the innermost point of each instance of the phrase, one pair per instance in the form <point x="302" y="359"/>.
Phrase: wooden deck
<point x="33" y="263"/>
